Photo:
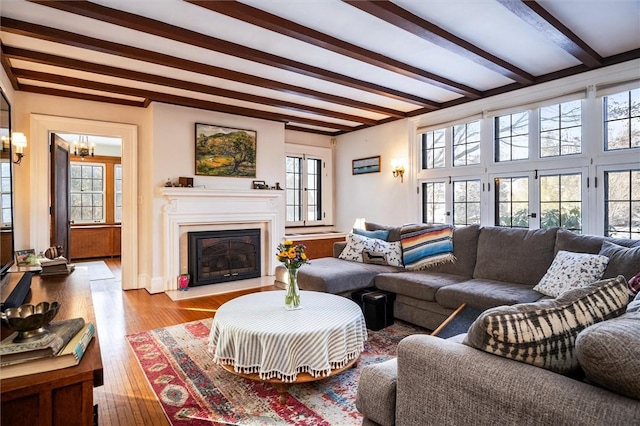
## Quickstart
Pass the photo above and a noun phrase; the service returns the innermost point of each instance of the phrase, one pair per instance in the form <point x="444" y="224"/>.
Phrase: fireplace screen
<point x="222" y="256"/>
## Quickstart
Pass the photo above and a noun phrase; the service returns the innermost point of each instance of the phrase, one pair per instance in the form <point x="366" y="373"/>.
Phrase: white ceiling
<point x="309" y="86"/>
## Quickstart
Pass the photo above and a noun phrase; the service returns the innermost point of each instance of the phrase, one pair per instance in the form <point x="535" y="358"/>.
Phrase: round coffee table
<point x="255" y="337"/>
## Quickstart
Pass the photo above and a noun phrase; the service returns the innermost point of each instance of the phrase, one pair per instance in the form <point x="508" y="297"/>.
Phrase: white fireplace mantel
<point x="189" y="207"/>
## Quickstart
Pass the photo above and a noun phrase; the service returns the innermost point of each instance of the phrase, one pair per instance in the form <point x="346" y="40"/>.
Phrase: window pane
<point x="560" y="201"/>
<point x="433" y="149"/>
<point x="622" y="204"/>
<point x="621" y="122"/>
<point x="433" y="202"/>
<point x="466" y="202"/>
<point x="466" y="146"/>
<point x="561" y="129"/>
<point x="512" y="202"/>
<point x="512" y="137"/>
<point x="87" y="192"/>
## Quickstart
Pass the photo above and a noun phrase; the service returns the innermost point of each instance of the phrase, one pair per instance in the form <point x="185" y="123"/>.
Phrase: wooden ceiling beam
<point x="402" y="18"/>
<point x="67" y="38"/>
<point x="171" y="99"/>
<point x="75" y="64"/>
<point x="539" y="18"/>
<point x="291" y="29"/>
<point x="79" y="95"/>
<point x="172" y="32"/>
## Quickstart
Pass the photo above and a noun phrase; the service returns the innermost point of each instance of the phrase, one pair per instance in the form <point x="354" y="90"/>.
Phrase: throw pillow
<point x="374" y="257"/>
<point x="380" y="234"/>
<point x="392" y="251"/>
<point x="571" y="270"/>
<point x="608" y="353"/>
<point x="544" y="333"/>
<point x="356" y="244"/>
<point x="623" y="261"/>
<point x="422" y="248"/>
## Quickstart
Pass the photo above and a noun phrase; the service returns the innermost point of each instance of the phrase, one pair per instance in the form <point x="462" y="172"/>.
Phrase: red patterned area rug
<point x="194" y="390"/>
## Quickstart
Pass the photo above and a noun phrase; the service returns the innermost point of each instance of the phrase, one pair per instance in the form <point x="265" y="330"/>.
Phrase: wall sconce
<point x="19" y="142"/>
<point x="84" y="149"/>
<point x="398" y="168"/>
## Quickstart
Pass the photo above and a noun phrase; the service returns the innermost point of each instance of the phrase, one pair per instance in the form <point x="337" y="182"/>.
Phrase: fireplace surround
<point x="196" y="209"/>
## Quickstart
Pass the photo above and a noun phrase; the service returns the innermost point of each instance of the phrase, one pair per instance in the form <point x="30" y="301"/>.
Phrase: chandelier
<point x="82" y="148"/>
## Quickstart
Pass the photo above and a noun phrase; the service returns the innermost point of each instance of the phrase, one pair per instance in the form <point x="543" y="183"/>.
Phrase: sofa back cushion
<point x="394" y="231"/>
<point x="465" y="248"/>
<point x="514" y="255"/>
<point x="570" y="241"/>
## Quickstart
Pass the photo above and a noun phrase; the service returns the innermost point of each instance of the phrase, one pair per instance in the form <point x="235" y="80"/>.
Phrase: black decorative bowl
<point x="30" y="321"/>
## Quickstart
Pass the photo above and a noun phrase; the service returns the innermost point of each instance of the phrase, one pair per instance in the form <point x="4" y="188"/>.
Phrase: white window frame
<point x="103" y="191"/>
<point x="116" y="218"/>
<point x="325" y="155"/>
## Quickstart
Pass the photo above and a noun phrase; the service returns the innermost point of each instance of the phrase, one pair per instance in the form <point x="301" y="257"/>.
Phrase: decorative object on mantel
<point x="224" y="151"/>
<point x="366" y="165"/>
<point x="186" y="182"/>
<point x="259" y="184"/>
<point x="293" y="257"/>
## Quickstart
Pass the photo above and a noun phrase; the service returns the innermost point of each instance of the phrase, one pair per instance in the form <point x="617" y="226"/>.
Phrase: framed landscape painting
<point x="225" y="151"/>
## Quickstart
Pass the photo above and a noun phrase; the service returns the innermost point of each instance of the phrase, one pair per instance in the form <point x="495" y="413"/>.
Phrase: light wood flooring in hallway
<point x="126" y="398"/>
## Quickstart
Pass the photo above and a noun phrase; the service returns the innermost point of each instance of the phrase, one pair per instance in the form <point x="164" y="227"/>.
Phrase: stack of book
<point x="56" y="266"/>
<point x="63" y="347"/>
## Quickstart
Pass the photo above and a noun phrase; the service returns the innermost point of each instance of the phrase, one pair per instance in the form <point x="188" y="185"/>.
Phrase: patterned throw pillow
<point x="356" y="244"/>
<point x="374" y="257"/>
<point x="544" y="333"/>
<point x="392" y="251"/>
<point x="422" y="248"/>
<point x="571" y="270"/>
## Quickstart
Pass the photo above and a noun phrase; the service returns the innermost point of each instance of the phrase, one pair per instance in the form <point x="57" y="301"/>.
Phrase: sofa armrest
<point x="338" y="246"/>
<point x="442" y="382"/>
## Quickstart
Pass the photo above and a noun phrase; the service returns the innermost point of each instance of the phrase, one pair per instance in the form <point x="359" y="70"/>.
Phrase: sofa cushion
<point x="544" y="333"/>
<point x="419" y="284"/>
<point x="394" y="231"/>
<point x="609" y="352"/>
<point x="465" y="248"/>
<point x="623" y="261"/>
<point x="571" y="270"/>
<point x="380" y="234"/>
<point x="376" y="395"/>
<point x="425" y="247"/>
<point x="392" y="251"/>
<point x="579" y="243"/>
<point x="335" y="276"/>
<point x="485" y="294"/>
<point x="355" y="245"/>
<point x="514" y="255"/>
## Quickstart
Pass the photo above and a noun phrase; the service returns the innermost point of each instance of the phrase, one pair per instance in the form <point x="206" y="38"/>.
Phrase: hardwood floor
<point x="126" y="398"/>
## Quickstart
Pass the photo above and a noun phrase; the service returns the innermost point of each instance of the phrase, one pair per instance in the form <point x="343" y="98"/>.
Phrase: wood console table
<point x="59" y="397"/>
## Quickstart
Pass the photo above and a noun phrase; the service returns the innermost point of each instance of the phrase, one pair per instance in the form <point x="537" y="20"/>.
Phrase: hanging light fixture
<point x="82" y="147"/>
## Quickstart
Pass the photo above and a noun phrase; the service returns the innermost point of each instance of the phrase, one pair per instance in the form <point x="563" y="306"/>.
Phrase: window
<point x="622" y="120"/>
<point x="622" y="203"/>
<point x="5" y="192"/>
<point x="561" y="201"/>
<point x="512" y="137"/>
<point x="87" y="193"/>
<point x="117" y="184"/>
<point x="466" y="202"/>
<point x="433" y="149"/>
<point x="434" y="202"/>
<point x="512" y="202"/>
<point x="304" y="190"/>
<point x="561" y="129"/>
<point x="466" y="144"/>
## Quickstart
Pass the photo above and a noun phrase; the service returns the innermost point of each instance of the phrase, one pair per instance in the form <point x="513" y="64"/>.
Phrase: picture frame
<point x="259" y="184"/>
<point x="366" y="165"/>
<point x="24" y="257"/>
<point x="225" y="151"/>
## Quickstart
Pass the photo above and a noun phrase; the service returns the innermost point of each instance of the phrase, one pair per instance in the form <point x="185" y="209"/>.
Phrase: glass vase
<point x="292" y="295"/>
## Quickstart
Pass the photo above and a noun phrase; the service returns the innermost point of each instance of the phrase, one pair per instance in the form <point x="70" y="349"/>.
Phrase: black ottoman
<point x="377" y="306"/>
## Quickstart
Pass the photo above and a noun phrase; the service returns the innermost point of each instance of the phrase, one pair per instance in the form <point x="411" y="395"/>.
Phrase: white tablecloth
<point x="256" y="334"/>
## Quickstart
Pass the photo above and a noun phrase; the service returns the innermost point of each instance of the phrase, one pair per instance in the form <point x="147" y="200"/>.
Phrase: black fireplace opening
<point x="223" y="256"/>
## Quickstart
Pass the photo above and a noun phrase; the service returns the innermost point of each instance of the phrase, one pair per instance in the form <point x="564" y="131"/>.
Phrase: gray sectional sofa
<point x="494" y="266"/>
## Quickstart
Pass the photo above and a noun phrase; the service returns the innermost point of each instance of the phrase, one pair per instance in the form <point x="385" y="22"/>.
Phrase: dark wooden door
<point x="60" y="204"/>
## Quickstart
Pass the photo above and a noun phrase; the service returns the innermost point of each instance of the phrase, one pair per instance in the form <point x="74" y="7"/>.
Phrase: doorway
<point x="41" y="127"/>
<point x="86" y="195"/>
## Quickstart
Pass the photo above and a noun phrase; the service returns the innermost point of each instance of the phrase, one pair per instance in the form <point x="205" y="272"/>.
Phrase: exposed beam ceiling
<point x="322" y="66"/>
